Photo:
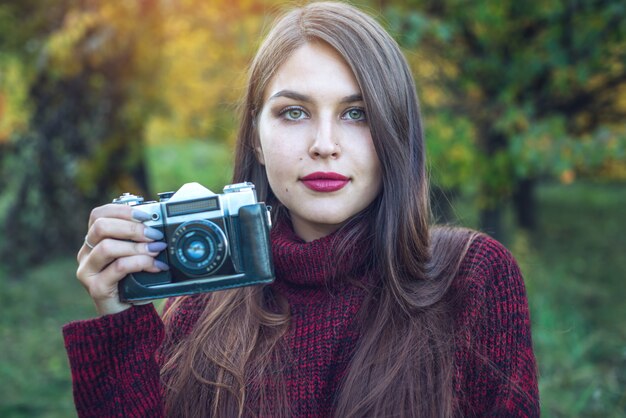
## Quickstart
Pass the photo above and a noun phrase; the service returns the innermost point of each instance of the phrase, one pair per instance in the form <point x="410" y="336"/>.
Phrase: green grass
<point x="573" y="265"/>
<point x="34" y="376"/>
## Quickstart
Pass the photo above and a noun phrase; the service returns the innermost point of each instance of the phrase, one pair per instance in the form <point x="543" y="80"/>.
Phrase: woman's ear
<point x="257" y="149"/>
<point x="259" y="154"/>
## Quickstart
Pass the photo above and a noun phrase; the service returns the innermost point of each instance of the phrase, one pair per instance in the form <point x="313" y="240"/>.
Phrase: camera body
<point x="215" y="242"/>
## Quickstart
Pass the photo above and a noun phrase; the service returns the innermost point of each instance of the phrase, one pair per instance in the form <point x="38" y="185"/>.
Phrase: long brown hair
<point x="403" y="364"/>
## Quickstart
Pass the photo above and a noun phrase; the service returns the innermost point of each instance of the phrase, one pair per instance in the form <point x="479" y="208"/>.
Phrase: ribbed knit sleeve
<point x="112" y="358"/>
<point x="496" y="368"/>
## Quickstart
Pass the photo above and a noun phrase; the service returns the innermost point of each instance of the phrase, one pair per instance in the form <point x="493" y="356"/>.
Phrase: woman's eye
<point x="355" y="114"/>
<point x="294" y="113"/>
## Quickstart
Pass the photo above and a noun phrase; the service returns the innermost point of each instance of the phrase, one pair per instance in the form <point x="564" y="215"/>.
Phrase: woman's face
<point x="315" y="141"/>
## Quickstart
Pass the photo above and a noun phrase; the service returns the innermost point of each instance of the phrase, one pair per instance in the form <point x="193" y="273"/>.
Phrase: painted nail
<point x="156" y="247"/>
<point x="152" y="233"/>
<point x="161" y="265"/>
<point x="139" y="215"/>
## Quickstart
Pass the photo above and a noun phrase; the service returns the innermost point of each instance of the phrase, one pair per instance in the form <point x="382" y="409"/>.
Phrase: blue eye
<point x="355" y="114"/>
<point x="293" y="113"/>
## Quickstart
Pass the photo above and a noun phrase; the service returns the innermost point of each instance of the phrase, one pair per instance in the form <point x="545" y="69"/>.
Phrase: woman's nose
<point x="325" y="143"/>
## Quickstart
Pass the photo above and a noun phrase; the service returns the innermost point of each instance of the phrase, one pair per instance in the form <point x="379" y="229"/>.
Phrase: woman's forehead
<point x="313" y="70"/>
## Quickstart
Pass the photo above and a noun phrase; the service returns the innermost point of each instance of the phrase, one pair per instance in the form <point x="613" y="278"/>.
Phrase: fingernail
<point x="152" y="233"/>
<point x="156" y="247"/>
<point x="139" y="215"/>
<point x="161" y="265"/>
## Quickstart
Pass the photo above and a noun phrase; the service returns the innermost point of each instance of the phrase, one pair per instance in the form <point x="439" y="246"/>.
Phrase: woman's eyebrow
<point x="358" y="97"/>
<point x="290" y="94"/>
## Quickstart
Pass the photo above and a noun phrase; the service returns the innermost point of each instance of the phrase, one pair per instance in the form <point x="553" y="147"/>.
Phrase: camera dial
<point x="198" y="247"/>
<point x="165" y="196"/>
<point x="128" y="199"/>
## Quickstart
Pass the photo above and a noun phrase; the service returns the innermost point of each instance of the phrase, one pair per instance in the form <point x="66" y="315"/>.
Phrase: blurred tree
<point x="536" y="87"/>
<point x="99" y="77"/>
<point x="542" y="83"/>
<point x="90" y="92"/>
<point x="17" y="26"/>
<point x="205" y="56"/>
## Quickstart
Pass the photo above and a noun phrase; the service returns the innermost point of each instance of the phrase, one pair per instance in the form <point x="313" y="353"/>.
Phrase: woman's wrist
<point x="110" y="306"/>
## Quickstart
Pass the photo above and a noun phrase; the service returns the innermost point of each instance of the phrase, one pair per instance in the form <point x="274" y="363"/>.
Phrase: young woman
<point x="374" y="312"/>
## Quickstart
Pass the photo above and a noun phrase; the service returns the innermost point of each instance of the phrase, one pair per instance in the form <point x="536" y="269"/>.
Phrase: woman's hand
<point x="118" y="244"/>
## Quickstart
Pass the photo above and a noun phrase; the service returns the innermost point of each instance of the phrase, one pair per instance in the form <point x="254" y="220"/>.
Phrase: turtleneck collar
<point x="315" y="263"/>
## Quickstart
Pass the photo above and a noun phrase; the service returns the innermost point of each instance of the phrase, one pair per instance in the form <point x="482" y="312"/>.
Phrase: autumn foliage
<point x="512" y="93"/>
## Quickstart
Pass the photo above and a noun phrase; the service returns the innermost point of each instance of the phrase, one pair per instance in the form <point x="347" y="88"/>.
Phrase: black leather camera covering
<point x="254" y="244"/>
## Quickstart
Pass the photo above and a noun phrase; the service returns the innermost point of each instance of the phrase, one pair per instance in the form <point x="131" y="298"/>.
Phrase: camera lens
<point x="199" y="247"/>
<point x="196" y="250"/>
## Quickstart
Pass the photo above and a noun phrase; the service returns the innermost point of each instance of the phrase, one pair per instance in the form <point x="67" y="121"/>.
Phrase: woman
<point x="373" y="312"/>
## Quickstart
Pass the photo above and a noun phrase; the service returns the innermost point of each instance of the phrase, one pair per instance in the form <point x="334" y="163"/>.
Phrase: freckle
<point x="300" y="158"/>
<point x="286" y="190"/>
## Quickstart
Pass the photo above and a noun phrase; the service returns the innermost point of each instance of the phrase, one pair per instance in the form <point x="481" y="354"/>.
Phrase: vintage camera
<point x="215" y="242"/>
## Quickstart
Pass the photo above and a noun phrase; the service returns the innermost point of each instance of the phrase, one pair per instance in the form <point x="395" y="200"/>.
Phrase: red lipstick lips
<point x="325" y="182"/>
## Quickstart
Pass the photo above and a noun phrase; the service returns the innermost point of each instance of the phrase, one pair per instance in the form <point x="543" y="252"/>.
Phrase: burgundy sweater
<point x="115" y="359"/>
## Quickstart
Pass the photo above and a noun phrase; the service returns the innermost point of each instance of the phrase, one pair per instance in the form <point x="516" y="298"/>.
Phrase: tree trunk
<point x="496" y="182"/>
<point x="52" y="195"/>
<point x="491" y="223"/>
<point x="525" y="204"/>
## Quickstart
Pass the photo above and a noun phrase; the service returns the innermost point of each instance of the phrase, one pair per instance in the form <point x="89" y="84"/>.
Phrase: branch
<point x="581" y="100"/>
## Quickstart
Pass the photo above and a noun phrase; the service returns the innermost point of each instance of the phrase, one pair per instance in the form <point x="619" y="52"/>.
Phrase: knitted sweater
<point x="115" y="359"/>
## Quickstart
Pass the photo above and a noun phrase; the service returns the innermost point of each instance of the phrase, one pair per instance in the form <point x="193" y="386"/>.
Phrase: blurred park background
<point x="525" y="106"/>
